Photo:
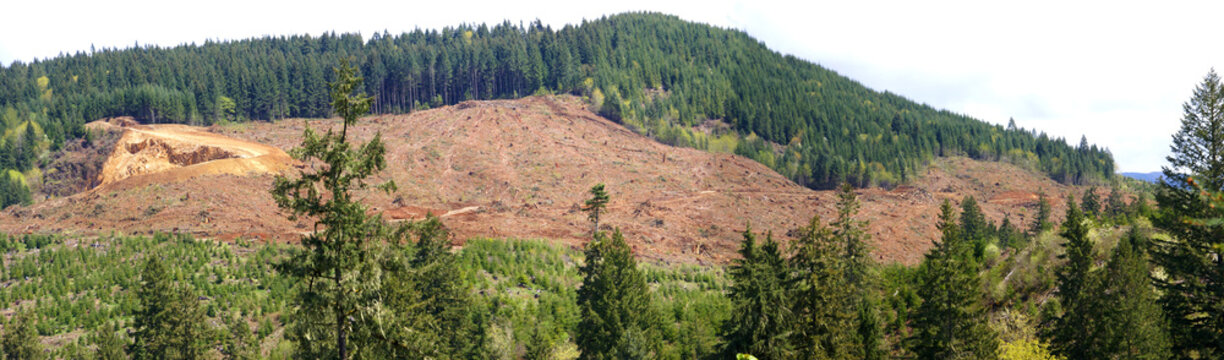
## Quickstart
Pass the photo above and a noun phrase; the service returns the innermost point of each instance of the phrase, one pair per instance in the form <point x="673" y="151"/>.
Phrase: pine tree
<point x="170" y="323"/>
<point x="951" y="322"/>
<point x="445" y="298"/>
<point x="973" y="226"/>
<point x="1193" y="260"/>
<point x="1069" y="336"/>
<point x="155" y="293"/>
<point x="110" y="345"/>
<point x="1009" y="235"/>
<point x="1115" y="207"/>
<point x="853" y="238"/>
<point x="823" y="310"/>
<point x="870" y="331"/>
<point x="761" y="321"/>
<point x="20" y="341"/>
<point x="1091" y="205"/>
<point x="1130" y="323"/>
<point x="1042" y="221"/>
<point x="595" y="205"/>
<point x="614" y="302"/>
<point x="338" y="265"/>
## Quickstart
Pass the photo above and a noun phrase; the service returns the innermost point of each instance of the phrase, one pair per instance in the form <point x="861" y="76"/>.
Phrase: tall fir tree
<point x="761" y="323"/>
<point x="337" y="268"/>
<point x="614" y="302"/>
<point x="1130" y="324"/>
<point x="170" y="323"/>
<point x="823" y="299"/>
<point x="951" y="322"/>
<point x="595" y="206"/>
<point x="1069" y="336"/>
<point x="1041" y="222"/>
<point x="1091" y="203"/>
<point x="973" y="225"/>
<point x="851" y="233"/>
<point x="1193" y="257"/>
<point x="1115" y="205"/>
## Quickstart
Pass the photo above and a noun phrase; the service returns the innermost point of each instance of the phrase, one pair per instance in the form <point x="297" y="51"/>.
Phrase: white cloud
<point x="1114" y="71"/>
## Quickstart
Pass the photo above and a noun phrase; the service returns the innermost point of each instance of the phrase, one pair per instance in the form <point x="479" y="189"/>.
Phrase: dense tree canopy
<point x="657" y="74"/>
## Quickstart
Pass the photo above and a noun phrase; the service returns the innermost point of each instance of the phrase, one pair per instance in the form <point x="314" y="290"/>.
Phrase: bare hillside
<point x="511" y="168"/>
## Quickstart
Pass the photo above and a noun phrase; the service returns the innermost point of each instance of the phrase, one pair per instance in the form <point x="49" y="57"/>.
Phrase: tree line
<point x="657" y="74"/>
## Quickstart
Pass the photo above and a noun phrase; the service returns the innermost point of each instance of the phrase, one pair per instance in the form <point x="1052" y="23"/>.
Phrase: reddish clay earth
<point x="508" y="168"/>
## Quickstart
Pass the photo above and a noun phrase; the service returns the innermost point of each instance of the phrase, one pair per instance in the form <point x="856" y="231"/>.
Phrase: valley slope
<point x="520" y="168"/>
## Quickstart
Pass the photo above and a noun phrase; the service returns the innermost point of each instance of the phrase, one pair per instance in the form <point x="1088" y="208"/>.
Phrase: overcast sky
<point x="1114" y="72"/>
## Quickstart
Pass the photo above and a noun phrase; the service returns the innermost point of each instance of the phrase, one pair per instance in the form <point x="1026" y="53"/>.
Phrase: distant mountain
<point x="1151" y="177"/>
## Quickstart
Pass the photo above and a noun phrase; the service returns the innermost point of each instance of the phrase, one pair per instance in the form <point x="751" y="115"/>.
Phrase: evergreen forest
<point x="682" y="83"/>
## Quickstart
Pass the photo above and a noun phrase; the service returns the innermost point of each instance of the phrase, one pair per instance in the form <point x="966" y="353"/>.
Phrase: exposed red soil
<point x="520" y="168"/>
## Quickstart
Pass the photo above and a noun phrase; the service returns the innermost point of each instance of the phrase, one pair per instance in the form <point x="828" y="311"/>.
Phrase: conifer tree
<point x="1130" y="323"/>
<point x="595" y="205"/>
<point x="1042" y="221"/>
<point x="614" y="300"/>
<point x="110" y="345"/>
<point x="170" y="323"/>
<point x="20" y="341"/>
<point x="614" y="303"/>
<point x="951" y="322"/>
<point x="444" y="299"/>
<point x="870" y="331"/>
<point x="973" y="226"/>
<point x="761" y="321"/>
<point x="823" y="298"/>
<point x="1009" y="235"/>
<point x="1091" y="205"/>
<point x="1069" y="335"/>
<point x="853" y="238"/>
<point x="1115" y="207"/>
<point x="337" y="267"/>
<point x="238" y="342"/>
<point x="1193" y="259"/>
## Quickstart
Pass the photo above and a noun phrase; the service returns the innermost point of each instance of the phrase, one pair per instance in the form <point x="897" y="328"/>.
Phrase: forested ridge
<point x="1116" y="279"/>
<point x="657" y="74"/>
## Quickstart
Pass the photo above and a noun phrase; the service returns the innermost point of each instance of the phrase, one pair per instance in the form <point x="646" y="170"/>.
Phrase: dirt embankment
<point x="165" y="153"/>
<point x="510" y="168"/>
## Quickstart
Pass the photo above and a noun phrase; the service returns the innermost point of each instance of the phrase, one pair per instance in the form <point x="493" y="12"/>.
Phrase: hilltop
<point x="659" y="75"/>
<point x="520" y="168"/>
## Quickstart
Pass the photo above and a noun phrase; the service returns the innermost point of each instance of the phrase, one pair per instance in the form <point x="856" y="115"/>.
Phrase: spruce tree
<point x="337" y="269"/>
<point x="1115" y="207"/>
<point x="1129" y="323"/>
<point x="951" y="322"/>
<point x="1069" y="336"/>
<point x="595" y="205"/>
<point x="170" y="323"/>
<point x="21" y="341"/>
<point x="870" y="330"/>
<point x="1091" y="205"/>
<point x="614" y="302"/>
<point x="853" y="238"/>
<point x="109" y="344"/>
<point x="761" y="322"/>
<point x="973" y="226"/>
<point x="1041" y="222"/>
<point x="1193" y="259"/>
<point x="823" y="299"/>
